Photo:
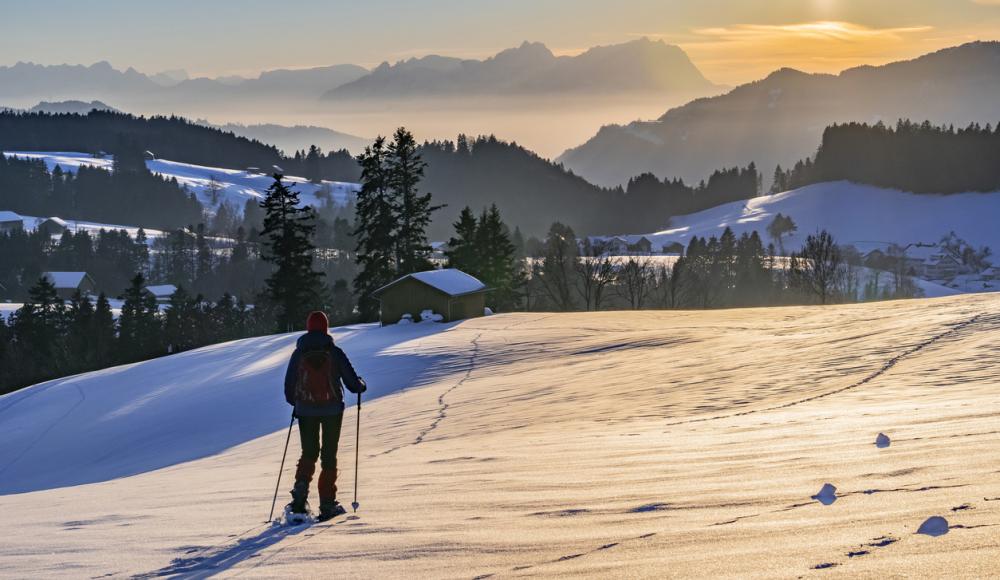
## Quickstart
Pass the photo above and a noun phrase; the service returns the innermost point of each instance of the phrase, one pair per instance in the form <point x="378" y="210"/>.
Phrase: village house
<point x="162" y="292"/>
<point x="450" y="293"/>
<point x="942" y="267"/>
<point x="10" y="222"/>
<point x="614" y="246"/>
<point x="52" y="226"/>
<point x="642" y="246"/>
<point x="67" y="283"/>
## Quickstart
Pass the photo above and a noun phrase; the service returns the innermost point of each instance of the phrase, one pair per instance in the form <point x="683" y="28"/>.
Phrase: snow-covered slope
<point x="234" y="186"/>
<point x="612" y="444"/>
<point x="135" y="418"/>
<point x="862" y="215"/>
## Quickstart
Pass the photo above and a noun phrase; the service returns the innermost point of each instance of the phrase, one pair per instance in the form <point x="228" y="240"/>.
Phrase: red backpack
<point x="319" y="379"/>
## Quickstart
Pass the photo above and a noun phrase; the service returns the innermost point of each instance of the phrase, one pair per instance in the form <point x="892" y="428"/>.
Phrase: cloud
<point x="740" y="52"/>
<point x="822" y="30"/>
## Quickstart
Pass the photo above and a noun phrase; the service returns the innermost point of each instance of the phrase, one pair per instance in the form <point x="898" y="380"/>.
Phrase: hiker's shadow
<point x="207" y="563"/>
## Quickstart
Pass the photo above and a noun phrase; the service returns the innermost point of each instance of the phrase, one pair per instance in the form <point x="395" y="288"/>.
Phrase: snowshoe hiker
<point x="317" y="372"/>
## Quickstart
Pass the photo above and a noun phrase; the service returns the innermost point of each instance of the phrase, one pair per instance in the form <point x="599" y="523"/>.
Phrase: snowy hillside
<point x="234" y="186"/>
<point x="611" y="444"/>
<point x="862" y="215"/>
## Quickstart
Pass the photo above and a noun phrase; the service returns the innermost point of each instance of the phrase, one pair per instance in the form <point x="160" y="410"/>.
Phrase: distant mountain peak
<point x="780" y="118"/>
<point x="641" y="65"/>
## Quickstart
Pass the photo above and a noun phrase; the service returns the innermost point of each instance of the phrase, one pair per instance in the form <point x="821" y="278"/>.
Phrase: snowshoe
<point x="330" y="510"/>
<point x="295" y="518"/>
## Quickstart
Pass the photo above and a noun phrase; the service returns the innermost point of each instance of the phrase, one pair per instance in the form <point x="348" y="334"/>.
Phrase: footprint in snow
<point x="827" y="495"/>
<point x="934" y="526"/>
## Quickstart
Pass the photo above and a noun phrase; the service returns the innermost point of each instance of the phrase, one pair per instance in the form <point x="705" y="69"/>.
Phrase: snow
<point x="609" y="444"/>
<point x="181" y="396"/>
<point x="31" y="223"/>
<point x="162" y="290"/>
<point x="855" y="214"/>
<point x="9" y="216"/>
<point x="7" y="309"/>
<point x="235" y="186"/>
<point x="64" y="280"/>
<point x="430" y="316"/>
<point x="450" y="281"/>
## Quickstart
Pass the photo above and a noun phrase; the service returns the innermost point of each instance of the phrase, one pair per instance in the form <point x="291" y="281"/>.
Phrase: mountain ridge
<point x="779" y="118"/>
<point x="641" y="65"/>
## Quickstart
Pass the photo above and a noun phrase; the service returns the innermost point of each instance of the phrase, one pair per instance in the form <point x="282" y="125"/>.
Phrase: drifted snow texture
<point x="597" y="445"/>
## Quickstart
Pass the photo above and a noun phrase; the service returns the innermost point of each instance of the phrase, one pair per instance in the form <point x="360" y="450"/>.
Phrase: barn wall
<point x="411" y="297"/>
<point x="468" y="306"/>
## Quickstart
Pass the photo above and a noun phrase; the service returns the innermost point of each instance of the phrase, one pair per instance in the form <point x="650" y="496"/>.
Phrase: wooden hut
<point x="449" y="293"/>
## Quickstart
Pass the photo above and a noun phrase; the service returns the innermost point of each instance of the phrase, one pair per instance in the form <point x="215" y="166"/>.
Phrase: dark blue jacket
<point x="316" y="341"/>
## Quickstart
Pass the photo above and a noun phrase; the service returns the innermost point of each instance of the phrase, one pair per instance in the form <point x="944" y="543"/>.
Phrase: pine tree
<point x="294" y="287"/>
<point x="463" y="247"/>
<point x="413" y="210"/>
<point x="498" y="260"/>
<point x="139" y="329"/>
<point x="39" y="327"/>
<point x="204" y="259"/>
<point x="182" y="323"/>
<point x="80" y="328"/>
<point x="103" y="333"/>
<point x="312" y="164"/>
<point x="375" y="229"/>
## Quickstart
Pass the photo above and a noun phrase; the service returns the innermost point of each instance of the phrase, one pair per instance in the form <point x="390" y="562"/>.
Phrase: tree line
<point x="48" y="337"/>
<point x="916" y="157"/>
<point x="528" y="189"/>
<point x="468" y="171"/>
<point x="94" y="194"/>
<point x="172" y="137"/>
<point x="722" y="271"/>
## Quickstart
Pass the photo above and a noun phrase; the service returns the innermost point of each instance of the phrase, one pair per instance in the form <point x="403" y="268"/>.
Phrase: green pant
<point x="313" y="430"/>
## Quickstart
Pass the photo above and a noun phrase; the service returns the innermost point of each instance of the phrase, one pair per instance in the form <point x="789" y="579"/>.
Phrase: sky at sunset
<point x="730" y="41"/>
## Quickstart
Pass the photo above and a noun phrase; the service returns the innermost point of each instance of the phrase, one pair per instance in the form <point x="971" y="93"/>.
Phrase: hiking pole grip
<point x="283" y="455"/>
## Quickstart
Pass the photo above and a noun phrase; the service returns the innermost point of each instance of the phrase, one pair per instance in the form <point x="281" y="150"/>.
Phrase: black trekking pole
<point x="283" y="455"/>
<point x="357" y="452"/>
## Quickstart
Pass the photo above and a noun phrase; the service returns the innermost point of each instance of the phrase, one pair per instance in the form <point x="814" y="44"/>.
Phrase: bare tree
<point x="817" y="268"/>
<point x="595" y="270"/>
<point x="780" y="226"/>
<point x="895" y="260"/>
<point x="558" y="267"/>
<point x="635" y="280"/>
<point x="214" y="187"/>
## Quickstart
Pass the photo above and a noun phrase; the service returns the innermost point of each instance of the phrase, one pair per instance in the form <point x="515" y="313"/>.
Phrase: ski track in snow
<point x="956" y="328"/>
<point x="53" y="425"/>
<point x="875" y="543"/>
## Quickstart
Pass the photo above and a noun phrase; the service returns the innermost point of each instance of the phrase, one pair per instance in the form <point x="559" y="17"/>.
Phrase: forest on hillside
<point x="916" y="157"/>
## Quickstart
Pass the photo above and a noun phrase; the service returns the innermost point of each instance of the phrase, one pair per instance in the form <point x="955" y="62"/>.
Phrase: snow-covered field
<point x="618" y="444"/>
<point x="234" y="186"/>
<point x="861" y="215"/>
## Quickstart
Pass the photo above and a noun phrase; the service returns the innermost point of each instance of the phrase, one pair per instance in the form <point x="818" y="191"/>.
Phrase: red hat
<point x="317" y="322"/>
